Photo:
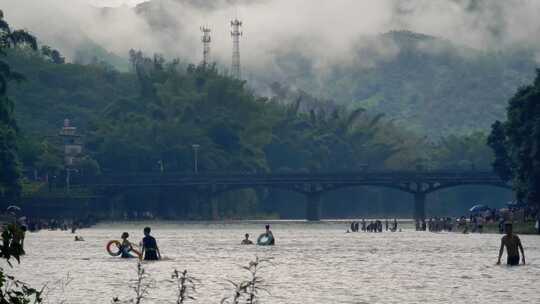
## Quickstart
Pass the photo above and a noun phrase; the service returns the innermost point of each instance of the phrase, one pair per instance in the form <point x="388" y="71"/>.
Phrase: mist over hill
<point x="428" y="84"/>
<point x="433" y="74"/>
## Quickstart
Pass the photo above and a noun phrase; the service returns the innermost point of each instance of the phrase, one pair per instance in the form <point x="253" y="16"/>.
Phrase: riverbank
<point x="518" y="228"/>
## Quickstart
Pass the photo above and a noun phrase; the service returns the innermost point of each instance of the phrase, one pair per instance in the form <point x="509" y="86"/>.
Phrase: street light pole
<point x="196" y="157"/>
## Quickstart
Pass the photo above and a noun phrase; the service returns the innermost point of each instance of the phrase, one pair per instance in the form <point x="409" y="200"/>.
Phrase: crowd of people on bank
<point x="37" y="224"/>
<point x="17" y="226"/>
<point x="373" y="226"/>
<point x="477" y="221"/>
<point x="435" y="224"/>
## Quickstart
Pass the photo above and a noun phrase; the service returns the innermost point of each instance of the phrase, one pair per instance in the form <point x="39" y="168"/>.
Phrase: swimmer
<point x="79" y="238"/>
<point x="247" y="241"/>
<point x="512" y="244"/>
<point x="150" y="249"/>
<point x="125" y="247"/>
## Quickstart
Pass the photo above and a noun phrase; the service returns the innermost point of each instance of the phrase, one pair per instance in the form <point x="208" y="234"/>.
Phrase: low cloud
<point x="327" y="32"/>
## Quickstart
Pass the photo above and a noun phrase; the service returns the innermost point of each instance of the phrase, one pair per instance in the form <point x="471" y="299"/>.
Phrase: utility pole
<point x="235" y="34"/>
<point x="206" y="40"/>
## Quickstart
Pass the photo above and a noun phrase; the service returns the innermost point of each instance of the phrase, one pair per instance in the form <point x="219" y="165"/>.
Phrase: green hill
<point x="426" y="83"/>
<point x="430" y="85"/>
<point x="53" y="92"/>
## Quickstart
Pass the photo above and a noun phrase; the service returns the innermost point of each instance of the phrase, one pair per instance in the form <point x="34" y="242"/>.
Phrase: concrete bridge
<point x="311" y="185"/>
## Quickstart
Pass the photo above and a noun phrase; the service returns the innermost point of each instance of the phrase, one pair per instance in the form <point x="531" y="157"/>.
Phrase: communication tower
<point x="235" y="34"/>
<point x="206" y="39"/>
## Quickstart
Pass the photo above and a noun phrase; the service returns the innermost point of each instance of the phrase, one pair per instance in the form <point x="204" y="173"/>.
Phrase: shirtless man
<point x="512" y="243"/>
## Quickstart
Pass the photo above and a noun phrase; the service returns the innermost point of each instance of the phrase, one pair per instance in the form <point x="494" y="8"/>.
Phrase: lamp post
<point x="196" y="158"/>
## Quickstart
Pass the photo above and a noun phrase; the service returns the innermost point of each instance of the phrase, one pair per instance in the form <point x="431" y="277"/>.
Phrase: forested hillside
<point x="429" y="85"/>
<point x="146" y="120"/>
<point x="426" y="83"/>
<point x="53" y="92"/>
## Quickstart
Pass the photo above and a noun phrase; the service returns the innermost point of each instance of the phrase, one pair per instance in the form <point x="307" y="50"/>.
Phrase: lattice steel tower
<point x="235" y="34"/>
<point x="206" y="39"/>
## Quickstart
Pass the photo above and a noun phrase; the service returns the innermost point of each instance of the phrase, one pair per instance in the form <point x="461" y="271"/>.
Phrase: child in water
<point x="269" y="234"/>
<point x="247" y="241"/>
<point x="150" y="250"/>
<point x="126" y="246"/>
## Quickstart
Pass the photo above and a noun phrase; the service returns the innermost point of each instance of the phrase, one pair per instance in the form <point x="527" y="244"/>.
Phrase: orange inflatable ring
<point x="115" y="250"/>
<point x="111" y="250"/>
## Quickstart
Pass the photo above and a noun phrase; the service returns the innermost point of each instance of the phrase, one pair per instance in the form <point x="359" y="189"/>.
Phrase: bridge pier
<point x="420" y="206"/>
<point x="214" y="207"/>
<point x="313" y="206"/>
<point x="207" y="205"/>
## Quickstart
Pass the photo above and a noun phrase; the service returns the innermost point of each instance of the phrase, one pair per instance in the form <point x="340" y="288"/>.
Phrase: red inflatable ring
<point x="111" y="250"/>
<point x="115" y="250"/>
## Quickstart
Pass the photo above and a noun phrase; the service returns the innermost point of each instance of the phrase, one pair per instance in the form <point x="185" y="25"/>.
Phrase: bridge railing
<point x="205" y="178"/>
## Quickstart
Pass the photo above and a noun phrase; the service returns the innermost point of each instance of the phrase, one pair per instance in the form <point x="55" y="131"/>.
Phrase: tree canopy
<point x="516" y="142"/>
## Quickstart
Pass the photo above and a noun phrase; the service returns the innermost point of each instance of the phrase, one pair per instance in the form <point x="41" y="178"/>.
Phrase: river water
<point x="311" y="263"/>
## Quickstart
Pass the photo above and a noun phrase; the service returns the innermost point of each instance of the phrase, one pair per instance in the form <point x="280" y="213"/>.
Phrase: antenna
<point x="235" y="34"/>
<point x="206" y="39"/>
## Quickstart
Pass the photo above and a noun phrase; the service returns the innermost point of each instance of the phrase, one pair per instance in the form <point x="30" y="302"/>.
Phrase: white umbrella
<point x="13" y="208"/>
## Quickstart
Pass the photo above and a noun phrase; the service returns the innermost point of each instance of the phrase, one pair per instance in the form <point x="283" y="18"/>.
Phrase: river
<point x="311" y="263"/>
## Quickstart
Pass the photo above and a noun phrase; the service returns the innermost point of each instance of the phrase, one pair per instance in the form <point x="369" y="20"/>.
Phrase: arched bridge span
<point x="312" y="185"/>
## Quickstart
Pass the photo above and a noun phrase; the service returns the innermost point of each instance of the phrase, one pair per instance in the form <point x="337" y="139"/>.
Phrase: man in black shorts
<point x="512" y="244"/>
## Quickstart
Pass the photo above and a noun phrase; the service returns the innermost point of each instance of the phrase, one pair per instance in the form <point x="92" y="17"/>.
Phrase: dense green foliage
<point x="425" y="83"/>
<point x="148" y="119"/>
<point x="176" y="109"/>
<point x="10" y="187"/>
<point x="516" y="142"/>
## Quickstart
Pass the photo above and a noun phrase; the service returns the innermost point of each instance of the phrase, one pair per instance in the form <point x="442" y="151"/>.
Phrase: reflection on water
<point x="312" y="263"/>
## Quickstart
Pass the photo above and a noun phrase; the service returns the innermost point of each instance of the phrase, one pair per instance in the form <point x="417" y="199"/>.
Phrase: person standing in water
<point x="270" y="235"/>
<point x="512" y="244"/>
<point x="150" y="250"/>
<point x="247" y="241"/>
<point x="125" y="246"/>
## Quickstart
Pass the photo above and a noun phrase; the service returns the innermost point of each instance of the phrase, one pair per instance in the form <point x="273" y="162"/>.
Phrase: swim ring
<point x="265" y="240"/>
<point x="115" y="250"/>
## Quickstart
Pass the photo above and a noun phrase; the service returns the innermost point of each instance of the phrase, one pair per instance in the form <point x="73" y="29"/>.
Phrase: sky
<point x="114" y="3"/>
<point x="330" y="32"/>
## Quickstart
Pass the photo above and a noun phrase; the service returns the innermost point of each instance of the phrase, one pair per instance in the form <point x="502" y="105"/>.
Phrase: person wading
<point x="512" y="244"/>
<point x="150" y="250"/>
